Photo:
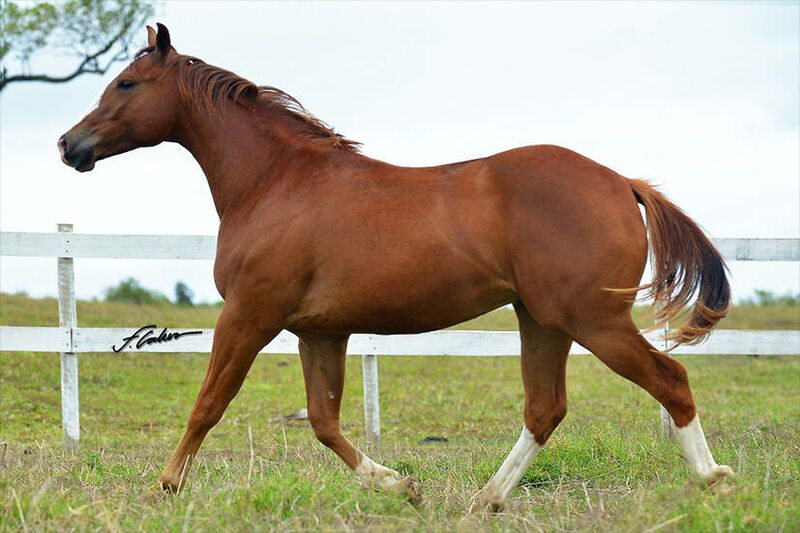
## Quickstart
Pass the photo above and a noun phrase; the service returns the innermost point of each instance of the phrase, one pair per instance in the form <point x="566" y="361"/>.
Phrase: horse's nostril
<point x="62" y="144"/>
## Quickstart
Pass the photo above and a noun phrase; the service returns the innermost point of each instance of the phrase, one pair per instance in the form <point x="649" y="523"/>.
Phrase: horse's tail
<point x="684" y="262"/>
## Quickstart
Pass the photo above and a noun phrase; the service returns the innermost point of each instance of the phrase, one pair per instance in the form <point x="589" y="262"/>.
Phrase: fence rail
<point x="461" y="343"/>
<point x="95" y="245"/>
<point x="70" y="340"/>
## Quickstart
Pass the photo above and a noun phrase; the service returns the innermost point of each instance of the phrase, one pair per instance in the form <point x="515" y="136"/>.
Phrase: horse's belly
<point x="387" y="310"/>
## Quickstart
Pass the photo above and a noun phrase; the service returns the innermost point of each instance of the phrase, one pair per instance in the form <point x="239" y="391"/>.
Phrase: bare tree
<point x="91" y="34"/>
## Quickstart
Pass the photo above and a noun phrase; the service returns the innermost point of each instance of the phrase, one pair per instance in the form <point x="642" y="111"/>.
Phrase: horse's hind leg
<point x="323" y="361"/>
<point x="620" y="345"/>
<point x="544" y="360"/>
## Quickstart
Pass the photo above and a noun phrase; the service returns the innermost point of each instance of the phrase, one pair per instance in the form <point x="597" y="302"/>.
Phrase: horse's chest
<point x="246" y="267"/>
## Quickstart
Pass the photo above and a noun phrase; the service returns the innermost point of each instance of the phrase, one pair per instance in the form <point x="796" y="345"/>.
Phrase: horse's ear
<point x="151" y="36"/>
<point x="162" y="40"/>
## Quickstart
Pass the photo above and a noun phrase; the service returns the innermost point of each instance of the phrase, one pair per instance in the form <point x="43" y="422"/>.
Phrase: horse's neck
<point x="238" y="151"/>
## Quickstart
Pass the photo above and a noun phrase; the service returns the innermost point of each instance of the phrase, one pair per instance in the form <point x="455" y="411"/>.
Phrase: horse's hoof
<point x="168" y="486"/>
<point x="152" y="494"/>
<point x="411" y="489"/>
<point x="486" y="505"/>
<point x="719" y="473"/>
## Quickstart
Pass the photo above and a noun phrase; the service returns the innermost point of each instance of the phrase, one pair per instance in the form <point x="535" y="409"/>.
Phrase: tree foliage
<point x="183" y="294"/>
<point x="129" y="290"/>
<point x="92" y="34"/>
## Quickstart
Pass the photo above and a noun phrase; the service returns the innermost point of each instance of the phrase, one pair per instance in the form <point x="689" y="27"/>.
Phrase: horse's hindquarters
<point x="574" y="231"/>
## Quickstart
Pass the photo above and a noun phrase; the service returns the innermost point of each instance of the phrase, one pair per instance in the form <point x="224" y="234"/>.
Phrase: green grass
<point x="606" y="468"/>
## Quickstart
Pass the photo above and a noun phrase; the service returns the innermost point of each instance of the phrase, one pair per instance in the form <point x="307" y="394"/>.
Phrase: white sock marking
<point x="375" y="475"/>
<point x="697" y="453"/>
<point x="515" y="465"/>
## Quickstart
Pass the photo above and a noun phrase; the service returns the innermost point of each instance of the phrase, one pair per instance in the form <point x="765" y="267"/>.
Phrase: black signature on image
<point x="146" y="335"/>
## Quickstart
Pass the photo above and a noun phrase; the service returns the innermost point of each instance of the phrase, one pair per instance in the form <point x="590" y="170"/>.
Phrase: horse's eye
<point x="126" y="85"/>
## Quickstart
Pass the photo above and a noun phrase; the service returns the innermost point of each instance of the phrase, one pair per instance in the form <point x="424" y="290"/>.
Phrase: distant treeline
<point x="770" y="299"/>
<point x="129" y="290"/>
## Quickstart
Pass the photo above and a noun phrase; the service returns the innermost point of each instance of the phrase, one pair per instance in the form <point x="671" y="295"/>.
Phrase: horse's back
<point x="548" y="186"/>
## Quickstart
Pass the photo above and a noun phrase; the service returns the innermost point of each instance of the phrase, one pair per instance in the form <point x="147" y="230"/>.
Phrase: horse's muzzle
<point x="77" y="153"/>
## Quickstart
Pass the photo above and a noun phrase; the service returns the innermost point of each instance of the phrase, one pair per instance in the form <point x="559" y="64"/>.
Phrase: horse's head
<point x="139" y="108"/>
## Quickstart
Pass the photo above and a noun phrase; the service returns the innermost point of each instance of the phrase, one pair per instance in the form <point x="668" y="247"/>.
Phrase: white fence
<point x="70" y="340"/>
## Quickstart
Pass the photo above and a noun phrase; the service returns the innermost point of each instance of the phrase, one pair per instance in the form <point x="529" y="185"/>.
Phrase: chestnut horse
<point x="322" y="241"/>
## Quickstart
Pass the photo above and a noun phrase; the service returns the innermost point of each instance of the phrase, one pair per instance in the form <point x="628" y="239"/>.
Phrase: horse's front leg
<point x="323" y="361"/>
<point x="237" y="340"/>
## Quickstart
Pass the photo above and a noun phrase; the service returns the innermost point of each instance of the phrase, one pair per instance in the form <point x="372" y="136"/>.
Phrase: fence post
<point x="372" y="413"/>
<point x="67" y="318"/>
<point x="666" y="419"/>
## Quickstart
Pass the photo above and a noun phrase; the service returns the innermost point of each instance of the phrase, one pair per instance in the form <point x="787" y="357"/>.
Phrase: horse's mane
<point x="210" y="87"/>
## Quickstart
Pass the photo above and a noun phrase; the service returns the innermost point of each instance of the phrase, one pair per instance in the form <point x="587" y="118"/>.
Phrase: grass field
<point x="606" y="468"/>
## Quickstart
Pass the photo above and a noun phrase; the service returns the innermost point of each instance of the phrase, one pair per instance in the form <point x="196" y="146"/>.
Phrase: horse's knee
<point x="326" y="430"/>
<point x="326" y="436"/>
<point x="559" y="412"/>
<point x="203" y="418"/>
<point x="541" y="419"/>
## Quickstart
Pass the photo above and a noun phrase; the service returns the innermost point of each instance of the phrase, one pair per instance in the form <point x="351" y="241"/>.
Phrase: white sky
<point x="703" y="99"/>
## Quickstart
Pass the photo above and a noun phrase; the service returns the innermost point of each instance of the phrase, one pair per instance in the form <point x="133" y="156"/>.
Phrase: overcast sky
<point x="702" y="99"/>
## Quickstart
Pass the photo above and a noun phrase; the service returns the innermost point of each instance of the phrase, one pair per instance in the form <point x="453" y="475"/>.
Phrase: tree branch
<point x="51" y="79"/>
<point x="82" y="68"/>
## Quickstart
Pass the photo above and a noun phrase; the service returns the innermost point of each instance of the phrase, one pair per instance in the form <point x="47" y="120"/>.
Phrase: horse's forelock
<point x="143" y="52"/>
